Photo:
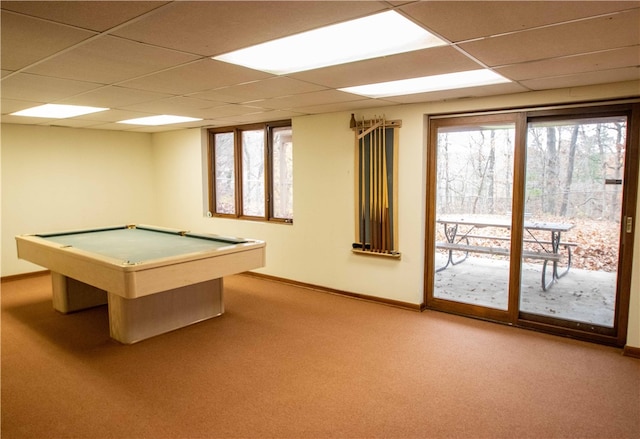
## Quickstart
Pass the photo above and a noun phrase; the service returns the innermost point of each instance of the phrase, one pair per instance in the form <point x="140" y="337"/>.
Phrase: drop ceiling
<point x="154" y="57"/>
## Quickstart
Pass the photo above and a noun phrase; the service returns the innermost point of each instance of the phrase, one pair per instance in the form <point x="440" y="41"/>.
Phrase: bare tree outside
<point x="253" y="188"/>
<point x="574" y="174"/>
<point x="282" y="173"/>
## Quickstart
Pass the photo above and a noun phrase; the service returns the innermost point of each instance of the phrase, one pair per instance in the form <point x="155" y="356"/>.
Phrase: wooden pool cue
<point x="380" y="194"/>
<point x="383" y="174"/>
<point x="363" y="191"/>
<point x="380" y="181"/>
<point x="381" y="184"/>
<point x="377" y="182"/>
<point x="372" y="196"/>
<point x="385" y="189"/>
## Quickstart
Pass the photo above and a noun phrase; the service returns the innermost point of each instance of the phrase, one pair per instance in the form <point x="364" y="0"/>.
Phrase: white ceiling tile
<point x="264" y="116"/>
<point x="214" y="27"/>
<point x="461" y="93"/>
<point x="590" y="62"/>
<point x="196" y="77"/>
<point x="389" y="68"/>
<point x="109" y="60"/>
<point x="610" y="32"/>
<point x="93" y="15"/>
<point x="306" y="99"/>
<point x="24" y="120"/>
<point x="74" y="122"/>
<point x="142" y="58"/>
<point x="467" y="20"/>
<point x="159" y="128"/>
<point x="114" y="115"/>
<point x="27" y="40"/>
<point x="42" y="88"/>
<point x="12" y="105"/>
<point x="588" y="78"/>
<point x="346" y="106"/>
<point x="176" y="105"/>
<point x="112" y="127"/>
<point x="230" y="110"/>
<point x="146" y="128"/>
<point x="264" y="89"/>
<point x="113" y="96"/>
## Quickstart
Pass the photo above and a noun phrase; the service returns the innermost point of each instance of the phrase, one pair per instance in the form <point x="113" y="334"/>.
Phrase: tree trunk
<point x="491" y="171"/>
<point x="551" y="174"/>
<point x="614" y="203"/>
<point x="569" y="177"/>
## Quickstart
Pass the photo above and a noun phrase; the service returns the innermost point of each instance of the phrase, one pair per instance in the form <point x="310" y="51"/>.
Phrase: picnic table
<point x="465" y="234"/>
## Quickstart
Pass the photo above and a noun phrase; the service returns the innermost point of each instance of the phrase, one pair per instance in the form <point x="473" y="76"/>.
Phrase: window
<point x="376" y="187"/>
<point x="251" y="172"/>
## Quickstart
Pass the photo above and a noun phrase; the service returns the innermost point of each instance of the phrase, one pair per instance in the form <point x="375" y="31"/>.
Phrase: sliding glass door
<point x="530" y="218"/>
<point x="473" y="205"/>
<point x="573" y="206"/>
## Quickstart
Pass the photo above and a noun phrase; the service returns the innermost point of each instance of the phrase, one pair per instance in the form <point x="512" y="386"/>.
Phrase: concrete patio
<point x="581" y="295"/>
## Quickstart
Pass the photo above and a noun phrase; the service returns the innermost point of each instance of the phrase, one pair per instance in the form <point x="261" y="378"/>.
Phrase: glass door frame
<point x="615" y="336"/>
<point x="432" y="302"/>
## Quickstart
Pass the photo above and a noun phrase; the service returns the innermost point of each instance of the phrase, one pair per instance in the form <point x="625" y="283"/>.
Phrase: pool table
<point x="153" y="279"/>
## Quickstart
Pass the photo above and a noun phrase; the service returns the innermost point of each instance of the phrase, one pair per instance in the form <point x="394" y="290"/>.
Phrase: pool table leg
<point x="132" y="320"/>
<point x="71" y="295"/>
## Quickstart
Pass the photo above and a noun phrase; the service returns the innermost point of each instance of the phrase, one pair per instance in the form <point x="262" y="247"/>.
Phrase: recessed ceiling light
<point x="377" y="35"/>
<point x="163" y="119"/>
<point x="425" y="84"/>
<point x="57" y="111"/>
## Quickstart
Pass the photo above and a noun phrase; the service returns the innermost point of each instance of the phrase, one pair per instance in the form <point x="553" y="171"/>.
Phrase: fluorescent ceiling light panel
<point x="163" y="119"/>
<point x="374" y="36"/>
<point x="448" y="81"/>
<point x="57" y="111"/>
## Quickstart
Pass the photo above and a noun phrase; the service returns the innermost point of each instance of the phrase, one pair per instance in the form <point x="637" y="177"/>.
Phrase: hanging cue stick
<point x="376" y="187"/>
<point x="383" y="174"/>
<point x="385" y="189"/>
<point x="380" y="242"/>
<point x="371" y="200"/>
<point x="372" y="192"/>
<point x="363" y="191"/>
<point x="378" y="216"/>
<point x="378" y="192"/>
<point x="383" y="224"/>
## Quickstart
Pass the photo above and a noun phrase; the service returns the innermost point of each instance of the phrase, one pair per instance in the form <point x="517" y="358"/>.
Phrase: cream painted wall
<point x="158" y="179"/>
<point x="56" y="178"/>
<point x="316" y="248"/>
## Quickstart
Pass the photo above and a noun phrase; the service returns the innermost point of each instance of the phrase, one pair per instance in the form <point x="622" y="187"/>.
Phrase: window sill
<point x="394" y="255"/>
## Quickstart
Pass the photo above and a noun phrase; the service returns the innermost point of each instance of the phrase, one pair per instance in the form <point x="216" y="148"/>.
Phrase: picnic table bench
<point x="548" y="250"/>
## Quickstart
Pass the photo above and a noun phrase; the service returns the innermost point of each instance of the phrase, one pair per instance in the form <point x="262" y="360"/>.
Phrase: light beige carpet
<point x="288" y="362"/>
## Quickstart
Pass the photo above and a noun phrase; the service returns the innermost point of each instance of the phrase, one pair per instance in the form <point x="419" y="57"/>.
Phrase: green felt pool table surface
<point x="134" y="245"/>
